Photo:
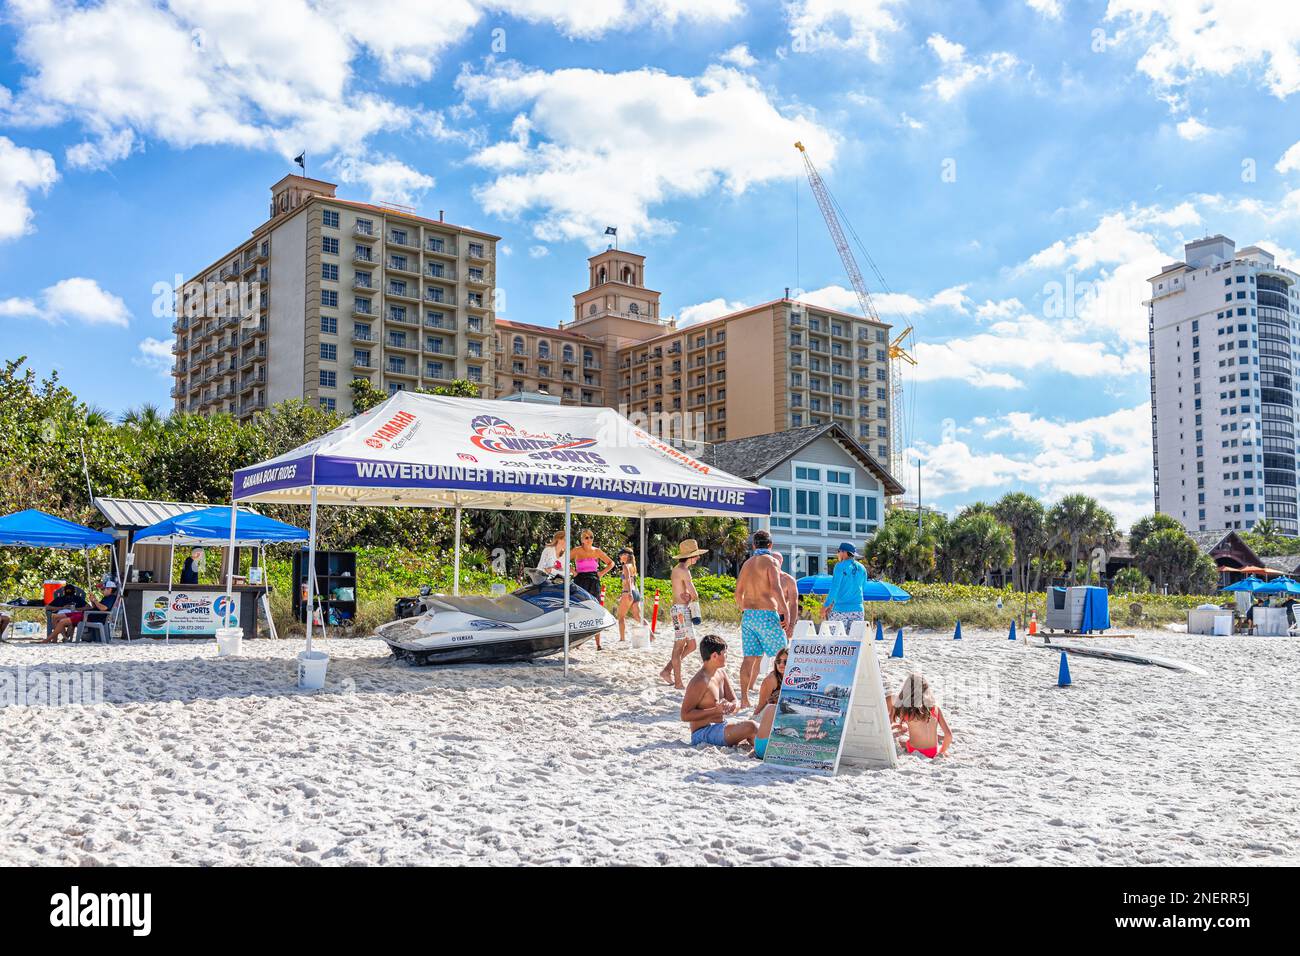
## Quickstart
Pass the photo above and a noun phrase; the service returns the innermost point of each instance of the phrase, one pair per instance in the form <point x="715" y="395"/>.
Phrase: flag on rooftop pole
<point x="612" y="231"/>
<point x="301" y="160"/>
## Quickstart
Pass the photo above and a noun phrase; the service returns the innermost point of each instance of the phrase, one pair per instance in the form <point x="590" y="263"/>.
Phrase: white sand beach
<point x="196" y="760"/>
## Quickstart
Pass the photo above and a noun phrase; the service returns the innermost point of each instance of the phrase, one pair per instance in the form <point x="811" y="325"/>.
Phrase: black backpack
<point x="68" y="596"/>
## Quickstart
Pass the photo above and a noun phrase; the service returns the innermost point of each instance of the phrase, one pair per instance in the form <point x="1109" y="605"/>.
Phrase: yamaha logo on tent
<point x="495" y="434"/>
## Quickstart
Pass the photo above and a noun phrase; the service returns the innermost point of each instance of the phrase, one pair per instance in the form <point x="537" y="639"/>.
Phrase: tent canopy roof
<point x="211" y="527"/>
<point x="436" y="452"/>
<point x="36" y="529"/>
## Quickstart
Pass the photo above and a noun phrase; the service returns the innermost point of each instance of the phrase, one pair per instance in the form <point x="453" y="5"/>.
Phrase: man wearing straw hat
<point x="684" y="612"/>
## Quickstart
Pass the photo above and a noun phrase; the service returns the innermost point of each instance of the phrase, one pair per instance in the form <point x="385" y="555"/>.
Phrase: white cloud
<point x="385" y="177"/>
<point x="1215" y="37"/>
<point x="679" y="137"/>
<point x="155" y="354"/>
<point x="77" y="299"/>
<point x="957" y="73"/>
<point x="1096" y="280"/>
<point x="1192" y="129"/>
<point x="703" y="311"/>
<point x="196" y="72"/>
<point x="1290" y="161"/>
<point x="889" y="305"/>
<point x="19" y="308"/>
<point x="101" y="153"/>
<point x="1107" y="457"/>
<point x="1051" y="9"/>
<point x="740" y="56"/>
<point x="1012" y="349"/>
<point x="841" y="25"/>
<point x="538" y="252"/>
<point x="84" y="301"/>
<point x="22" y="171"/>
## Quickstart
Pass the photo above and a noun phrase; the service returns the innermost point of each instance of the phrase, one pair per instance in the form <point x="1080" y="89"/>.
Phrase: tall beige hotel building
<point x="345" y="289"/>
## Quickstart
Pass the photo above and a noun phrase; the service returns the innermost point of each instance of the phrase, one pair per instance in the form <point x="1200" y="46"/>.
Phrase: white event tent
<point x="427" y="451"/>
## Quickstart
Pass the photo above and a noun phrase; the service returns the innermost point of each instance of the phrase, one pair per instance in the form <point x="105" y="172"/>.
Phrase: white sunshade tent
<point x="427" y="451"/>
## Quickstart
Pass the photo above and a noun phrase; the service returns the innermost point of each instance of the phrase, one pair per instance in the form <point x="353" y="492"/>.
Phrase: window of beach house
<point x="808" y="509"/>
<point x="780" y="507"/>
<point x="837" y="512"/>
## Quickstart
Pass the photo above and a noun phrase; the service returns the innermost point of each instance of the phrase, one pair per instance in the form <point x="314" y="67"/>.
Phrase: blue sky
<point x="989" y="156"/>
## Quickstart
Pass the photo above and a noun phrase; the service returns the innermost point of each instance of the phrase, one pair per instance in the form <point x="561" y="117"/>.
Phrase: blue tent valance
<point x="36" y="529"/>
<point x="211" y="526"/>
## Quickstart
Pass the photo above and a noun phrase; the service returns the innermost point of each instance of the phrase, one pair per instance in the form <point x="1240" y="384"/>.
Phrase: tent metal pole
<point x="230" y="563"/>
<point x="640" y="565"/>
<point x="568" y="521"/>
<point x="171" y="563"/>
<point x="455" y="571"/>
<point x="311" y="568"/>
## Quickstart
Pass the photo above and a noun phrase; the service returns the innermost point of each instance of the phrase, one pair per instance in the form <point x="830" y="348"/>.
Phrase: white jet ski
<point x="521" y="626"/>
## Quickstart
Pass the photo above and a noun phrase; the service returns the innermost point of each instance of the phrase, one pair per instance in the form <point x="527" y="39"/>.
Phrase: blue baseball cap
<point x="848" y="548"/>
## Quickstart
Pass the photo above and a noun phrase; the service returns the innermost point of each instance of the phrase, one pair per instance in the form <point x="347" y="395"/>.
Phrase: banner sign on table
<point x="194" y="614"/>
<point x="813" y="709"/>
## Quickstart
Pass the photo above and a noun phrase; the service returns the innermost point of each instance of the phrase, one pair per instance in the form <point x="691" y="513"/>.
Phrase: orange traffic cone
<point x="1033" y="622"/>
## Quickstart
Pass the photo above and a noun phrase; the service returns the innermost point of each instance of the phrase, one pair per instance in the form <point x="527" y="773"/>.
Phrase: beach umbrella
<point x="884" y="591"/>
<point x="1250" y="585"/>
<point x="814" y="584"/>
<point x="1279" y="586"/>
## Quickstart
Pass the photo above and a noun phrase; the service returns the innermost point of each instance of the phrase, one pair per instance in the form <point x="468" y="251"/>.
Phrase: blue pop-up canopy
<point x="211" y="527"/>
<point x="36" y="529"/>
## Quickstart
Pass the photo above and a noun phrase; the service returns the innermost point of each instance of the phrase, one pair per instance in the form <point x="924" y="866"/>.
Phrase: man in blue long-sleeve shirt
<point x="844" y="601"/>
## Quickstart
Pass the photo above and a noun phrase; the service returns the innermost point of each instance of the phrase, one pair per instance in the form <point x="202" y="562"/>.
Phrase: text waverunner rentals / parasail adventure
<point x="529" y="623"/>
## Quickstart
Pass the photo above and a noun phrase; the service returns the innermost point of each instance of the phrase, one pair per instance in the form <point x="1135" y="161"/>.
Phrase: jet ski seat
<point x="508" y="609"/>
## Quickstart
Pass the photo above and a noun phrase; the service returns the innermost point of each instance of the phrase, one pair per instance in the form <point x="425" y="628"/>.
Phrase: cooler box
<point x="49" y="588"/>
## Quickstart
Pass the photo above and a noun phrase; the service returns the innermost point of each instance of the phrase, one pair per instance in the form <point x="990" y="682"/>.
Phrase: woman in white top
<point x="552" y="559"/>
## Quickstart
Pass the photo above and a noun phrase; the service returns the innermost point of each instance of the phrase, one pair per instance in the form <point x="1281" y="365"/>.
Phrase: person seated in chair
<point x="65" y="622"/>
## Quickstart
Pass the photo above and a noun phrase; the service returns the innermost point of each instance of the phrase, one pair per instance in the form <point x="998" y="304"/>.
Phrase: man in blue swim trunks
<point x="763" y="610"/>
<point x="709" y="700"/>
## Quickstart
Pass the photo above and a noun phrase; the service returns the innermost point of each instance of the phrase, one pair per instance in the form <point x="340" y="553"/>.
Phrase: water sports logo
<point x="224" y="606"/>
<point x="464" y="456"/>
<point x="495" y="434"/>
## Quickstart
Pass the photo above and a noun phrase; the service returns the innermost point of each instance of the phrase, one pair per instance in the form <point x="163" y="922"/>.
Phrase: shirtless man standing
<point x="684" y="595"/>
<point x="763" y="611"/>
<point x="709" y="700"/>
<point x="790" y="588"/>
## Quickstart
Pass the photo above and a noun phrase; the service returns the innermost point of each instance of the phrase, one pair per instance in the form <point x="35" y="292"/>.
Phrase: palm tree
<point x="1081" y="522"/>
<point x="1023" y="514"/>
<point x="981" y="542"/>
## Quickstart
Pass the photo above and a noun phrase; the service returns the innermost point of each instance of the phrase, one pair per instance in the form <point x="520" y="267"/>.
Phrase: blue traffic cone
<point x="898" y="645"/>
<point x="880" y="631"/>
<point x="956" y="635"/>
<point x="1063" y="678"/>
<point x="1012" y="636"/>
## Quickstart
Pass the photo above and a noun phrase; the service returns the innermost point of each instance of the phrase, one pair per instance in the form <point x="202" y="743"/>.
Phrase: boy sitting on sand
<point x="918" y="719"/>
<point x="709" y="699"/>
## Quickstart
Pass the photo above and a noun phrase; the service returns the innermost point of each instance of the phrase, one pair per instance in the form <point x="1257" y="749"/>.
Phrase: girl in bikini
<point x="769" y="692"/>
<point x="630" y="599"/>
<point x="919" y="720"/>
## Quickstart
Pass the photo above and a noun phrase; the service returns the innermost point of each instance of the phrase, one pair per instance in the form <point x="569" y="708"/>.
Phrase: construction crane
<point x="898" y="353"/>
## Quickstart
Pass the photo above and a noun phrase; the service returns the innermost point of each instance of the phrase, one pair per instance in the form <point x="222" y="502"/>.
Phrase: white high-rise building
<point x="1223" y="327"/>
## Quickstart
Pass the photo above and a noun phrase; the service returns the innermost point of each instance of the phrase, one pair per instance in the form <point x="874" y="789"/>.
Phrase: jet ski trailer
<point x="476" y="629"/>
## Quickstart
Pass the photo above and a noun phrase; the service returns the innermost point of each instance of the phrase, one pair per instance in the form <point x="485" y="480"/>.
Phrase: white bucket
<point x="311" y="669"/>
<point x="229" y="641"/>
<point x="640" y="637"/>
